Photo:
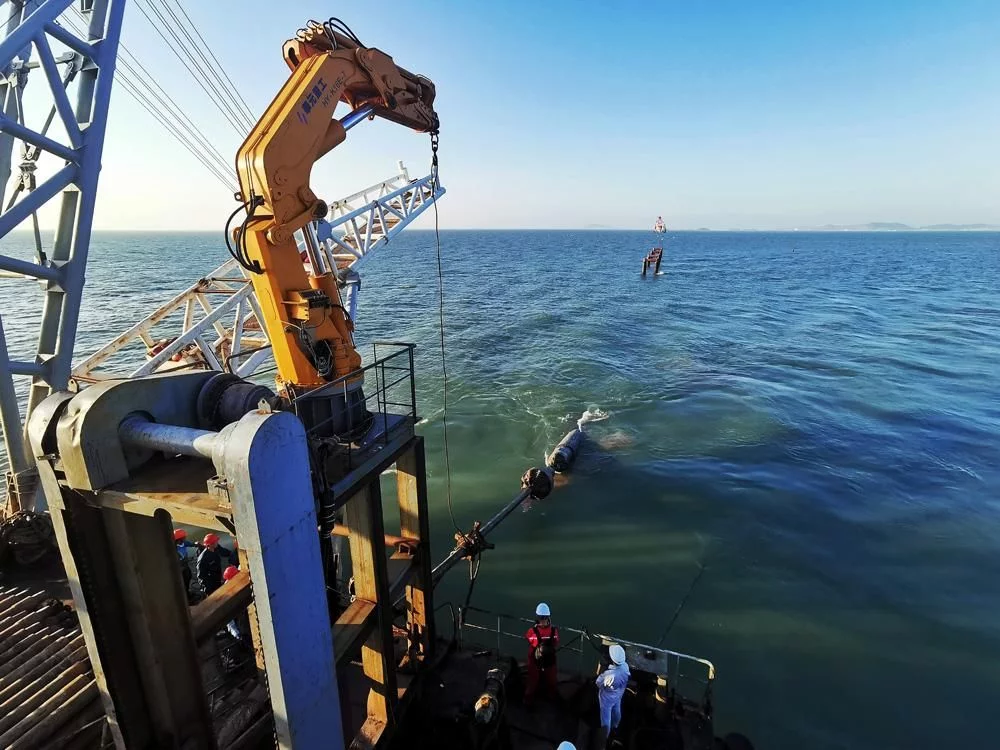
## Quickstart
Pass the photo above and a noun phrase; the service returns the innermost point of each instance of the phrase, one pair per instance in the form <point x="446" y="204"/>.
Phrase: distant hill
<point x="961" y="228"/>
<point x="892" y="226"/>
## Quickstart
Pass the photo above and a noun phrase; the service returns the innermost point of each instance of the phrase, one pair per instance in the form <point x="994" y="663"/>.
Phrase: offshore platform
<point x="654" y="256"/>
<point x="171" y="424"/>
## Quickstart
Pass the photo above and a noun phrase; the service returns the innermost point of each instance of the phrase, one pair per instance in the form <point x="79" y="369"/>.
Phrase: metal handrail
<point x="376" y="401"/>
<point x="673" y="659"/>
<point x="361" y="371"/>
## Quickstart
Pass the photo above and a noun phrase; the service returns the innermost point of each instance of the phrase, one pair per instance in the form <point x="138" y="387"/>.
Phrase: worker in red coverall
<point x="543" y="641"/>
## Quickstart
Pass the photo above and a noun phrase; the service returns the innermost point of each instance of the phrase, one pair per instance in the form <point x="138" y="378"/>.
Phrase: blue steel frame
<point x="62" y="270"/>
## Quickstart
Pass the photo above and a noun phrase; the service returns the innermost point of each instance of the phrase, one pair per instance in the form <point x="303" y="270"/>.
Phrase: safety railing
<point x="389" y="396"/>
<point x="686" y="674"/>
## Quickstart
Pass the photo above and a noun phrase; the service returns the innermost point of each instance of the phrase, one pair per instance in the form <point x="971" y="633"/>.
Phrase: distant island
<point x="891" y="226"/>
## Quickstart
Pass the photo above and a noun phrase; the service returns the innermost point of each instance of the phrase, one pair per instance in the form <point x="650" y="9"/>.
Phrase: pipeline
<point x="563" y="456"/>
<point x="490" y="703"/>
<point x="46" y="680"/>
<point x="536" y="483"/>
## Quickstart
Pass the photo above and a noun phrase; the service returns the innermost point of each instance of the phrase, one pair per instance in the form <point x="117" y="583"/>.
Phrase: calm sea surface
<point x="815" y="418"/>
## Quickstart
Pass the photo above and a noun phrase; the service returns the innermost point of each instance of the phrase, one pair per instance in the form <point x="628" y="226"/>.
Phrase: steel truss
<point x="388" y="207"/>
<point x="216" y="322"/>
<point x="32" y="39"/>
<point x="213" y="323"/>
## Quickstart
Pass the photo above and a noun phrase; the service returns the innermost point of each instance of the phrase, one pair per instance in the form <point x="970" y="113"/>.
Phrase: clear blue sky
<point x="569" y="114"/>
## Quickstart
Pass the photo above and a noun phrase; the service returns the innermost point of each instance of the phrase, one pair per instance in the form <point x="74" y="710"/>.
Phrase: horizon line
<point x="958" y="228"/>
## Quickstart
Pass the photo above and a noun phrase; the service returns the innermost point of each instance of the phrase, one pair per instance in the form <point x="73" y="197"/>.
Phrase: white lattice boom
<point x="216" y="321"/>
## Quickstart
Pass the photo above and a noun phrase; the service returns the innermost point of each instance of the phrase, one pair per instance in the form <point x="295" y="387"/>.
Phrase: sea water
<point x="814" y="418"/>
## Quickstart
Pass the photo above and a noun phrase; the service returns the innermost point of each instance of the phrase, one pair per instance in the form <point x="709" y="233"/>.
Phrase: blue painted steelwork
<point x="265" y="459"/>
<point x="63" y="267"/>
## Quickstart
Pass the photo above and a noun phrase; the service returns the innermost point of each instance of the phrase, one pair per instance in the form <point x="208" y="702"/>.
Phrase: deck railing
<point x="390" y="398"/>
<point x="684" y="673"/>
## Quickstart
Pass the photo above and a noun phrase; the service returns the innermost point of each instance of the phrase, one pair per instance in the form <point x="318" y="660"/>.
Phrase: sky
<point x="580" y="114"/>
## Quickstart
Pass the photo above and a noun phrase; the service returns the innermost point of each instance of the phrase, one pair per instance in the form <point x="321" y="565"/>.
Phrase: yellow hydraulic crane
<point x="307" y="325"/>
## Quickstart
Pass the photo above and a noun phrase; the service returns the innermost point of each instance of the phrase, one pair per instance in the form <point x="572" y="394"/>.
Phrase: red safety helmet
<point x="210" y="540"/>
<point x="180" y="535"/>
<point x="230" y="573"/>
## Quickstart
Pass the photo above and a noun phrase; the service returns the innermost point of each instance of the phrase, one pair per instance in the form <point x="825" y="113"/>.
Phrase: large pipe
<point x="140" y="432"/>
<point x="12" y="627"/>
<point x="27" y="711"/>
<point x="490" y="703"/>
<point x="537" y="482"/>
<point x="9" y="597"/>
<point x="21" y="605"/>
<point x="65" y="644"/>
<point x="55" y="712"/>
<point x="26" y="650"/>
<point x="564" y="454"/>
<point x="460" y="552"/>
<point x="16" y="644"/>
<point x="21" y="690"/>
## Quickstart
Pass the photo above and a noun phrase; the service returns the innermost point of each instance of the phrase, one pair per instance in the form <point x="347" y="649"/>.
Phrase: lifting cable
<point x="134" y="90"/>
<point x="444" y="365"/>
<point x="219" y="66"/>
<point x="189" y="52"/>
<point x="175" y="121"/>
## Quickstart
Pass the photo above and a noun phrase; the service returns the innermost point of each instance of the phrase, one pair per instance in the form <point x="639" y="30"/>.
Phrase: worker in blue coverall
<point x="184" y="551"/>
<point x="611" y="684"/>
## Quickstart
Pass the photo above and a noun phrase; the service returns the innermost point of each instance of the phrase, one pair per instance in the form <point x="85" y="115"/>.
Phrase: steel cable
<point x="199" y="77"/>
<point x="134" y="91"/>
<point x="207" y="153"/>
<point x="170" y="104"/>
<point x="141" y="86"/>
<point x="128" y="59"/>
<point x="241" y="109"/>
<point x="444" y="359"/>
<point x="235" y="90"/>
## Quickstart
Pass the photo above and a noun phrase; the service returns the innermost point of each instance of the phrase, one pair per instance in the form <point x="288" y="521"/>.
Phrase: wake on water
<point x="593" y="414"/>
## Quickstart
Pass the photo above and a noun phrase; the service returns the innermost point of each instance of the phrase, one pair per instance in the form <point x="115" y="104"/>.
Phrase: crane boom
<point x="306" y="323"/>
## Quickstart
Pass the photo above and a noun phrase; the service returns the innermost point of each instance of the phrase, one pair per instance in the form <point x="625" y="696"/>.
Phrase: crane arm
<point x="306" y="323"/>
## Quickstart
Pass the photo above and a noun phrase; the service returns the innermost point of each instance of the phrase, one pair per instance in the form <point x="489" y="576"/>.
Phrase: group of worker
<point x="542" y="637"/>
<point x="208" y="556"/>
<point x="543" y="645"/>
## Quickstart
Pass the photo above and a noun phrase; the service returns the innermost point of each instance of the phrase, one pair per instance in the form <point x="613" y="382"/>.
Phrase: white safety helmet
<point x="617" y="654"/>
<point x="542" y="610"/>
<point x="566" y="746"/>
